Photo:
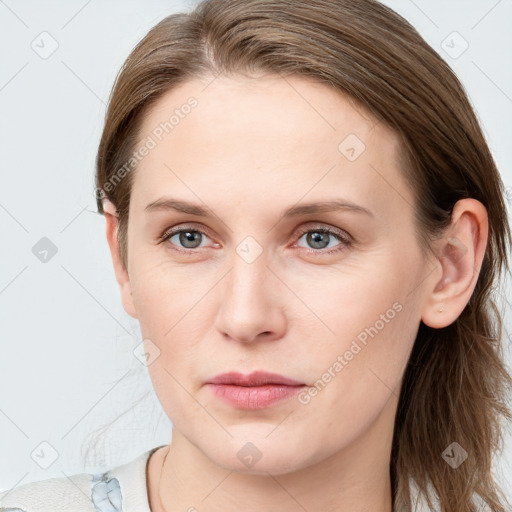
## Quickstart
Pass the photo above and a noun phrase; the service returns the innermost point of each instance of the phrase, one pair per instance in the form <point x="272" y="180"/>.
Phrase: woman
<point x="305" y="218"/>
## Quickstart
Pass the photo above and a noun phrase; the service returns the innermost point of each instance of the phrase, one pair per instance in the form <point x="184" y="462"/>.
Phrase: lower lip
<point x="255" y="397"/>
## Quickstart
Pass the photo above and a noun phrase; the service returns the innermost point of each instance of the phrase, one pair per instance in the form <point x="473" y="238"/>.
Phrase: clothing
<point x="121" y="489"/>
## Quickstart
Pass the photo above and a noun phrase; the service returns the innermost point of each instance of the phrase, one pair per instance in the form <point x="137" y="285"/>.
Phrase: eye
<point x="320" y="238"/>
<point x="188" y="238"/>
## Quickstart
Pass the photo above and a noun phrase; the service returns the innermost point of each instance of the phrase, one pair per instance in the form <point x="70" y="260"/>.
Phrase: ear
<point x="460" y="254"/>
<point x="122" y="277"/>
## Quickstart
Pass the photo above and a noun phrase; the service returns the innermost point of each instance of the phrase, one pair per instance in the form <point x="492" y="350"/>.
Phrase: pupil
<point x="316" y="239"/>
<point x="189" y="236"/>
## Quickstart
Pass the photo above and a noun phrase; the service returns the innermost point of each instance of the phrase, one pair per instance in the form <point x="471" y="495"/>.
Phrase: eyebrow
<point x="167" y="203"/>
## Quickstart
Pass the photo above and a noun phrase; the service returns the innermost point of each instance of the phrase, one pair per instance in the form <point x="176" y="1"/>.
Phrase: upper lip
<point x="258" y="378"/>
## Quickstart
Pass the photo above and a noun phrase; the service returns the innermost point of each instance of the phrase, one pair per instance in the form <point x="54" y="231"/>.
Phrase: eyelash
<point x="340" y="235"/>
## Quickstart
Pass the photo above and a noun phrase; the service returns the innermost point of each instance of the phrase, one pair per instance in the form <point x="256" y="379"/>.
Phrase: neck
<point x="354" y="479"/>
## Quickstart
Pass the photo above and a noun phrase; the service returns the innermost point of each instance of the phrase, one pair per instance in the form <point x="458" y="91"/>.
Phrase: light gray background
<point x="67" y="366"/>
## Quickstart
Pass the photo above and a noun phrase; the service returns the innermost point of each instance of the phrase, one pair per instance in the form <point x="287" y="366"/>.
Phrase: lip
<point x="259" y="378"/>
<point x="258" y="390"/>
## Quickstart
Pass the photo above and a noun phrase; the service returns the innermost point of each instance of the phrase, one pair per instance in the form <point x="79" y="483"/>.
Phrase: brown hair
<point x="456" y="383"/>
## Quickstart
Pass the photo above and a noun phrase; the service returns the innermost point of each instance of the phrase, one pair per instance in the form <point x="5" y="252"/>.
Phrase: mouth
<point x="254" y="379"/>
<point x="257" y="390"/>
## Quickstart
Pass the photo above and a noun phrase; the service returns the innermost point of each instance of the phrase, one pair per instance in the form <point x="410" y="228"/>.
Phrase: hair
<point x="455" y="385"/>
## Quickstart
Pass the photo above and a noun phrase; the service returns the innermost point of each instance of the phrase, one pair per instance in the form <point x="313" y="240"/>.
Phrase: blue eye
<point x="320" y="238"/>
<point x="189" y="239"/>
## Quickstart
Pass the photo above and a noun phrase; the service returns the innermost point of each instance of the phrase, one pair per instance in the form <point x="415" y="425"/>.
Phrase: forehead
<point x="265" y="136"/>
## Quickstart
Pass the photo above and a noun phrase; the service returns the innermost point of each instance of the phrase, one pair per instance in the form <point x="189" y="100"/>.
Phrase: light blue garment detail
<point x="106" y="494"/>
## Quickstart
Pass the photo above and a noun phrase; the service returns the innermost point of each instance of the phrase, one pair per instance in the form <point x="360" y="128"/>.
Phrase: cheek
<point x="171" y="316"/>
<point x="347" y="300"/>
<point x="175" y="311"/>
<point x="361" y="379"/>
<point x="163" y="293"/>
<point x="366" y="319"/>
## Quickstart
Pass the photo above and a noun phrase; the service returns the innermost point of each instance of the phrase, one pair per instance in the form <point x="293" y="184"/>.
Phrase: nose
<point x="252" y="300"/>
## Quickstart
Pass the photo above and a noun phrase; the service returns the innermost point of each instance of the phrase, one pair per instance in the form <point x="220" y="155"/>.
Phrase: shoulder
<point x="120" y="489"/>
<point x="55" y="494"/>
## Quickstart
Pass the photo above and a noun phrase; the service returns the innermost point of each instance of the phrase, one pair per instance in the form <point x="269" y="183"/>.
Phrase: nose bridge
<point x="248" y="277"/>
<point x="249" y="300"/>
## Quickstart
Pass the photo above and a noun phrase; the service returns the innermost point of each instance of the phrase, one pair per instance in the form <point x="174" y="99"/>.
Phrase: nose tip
<point x="250" y="308"/>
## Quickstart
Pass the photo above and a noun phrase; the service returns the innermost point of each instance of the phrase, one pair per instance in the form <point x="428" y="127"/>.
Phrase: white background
<point x="67" y="366"/>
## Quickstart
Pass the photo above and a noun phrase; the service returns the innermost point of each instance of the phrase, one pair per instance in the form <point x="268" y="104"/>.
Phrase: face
<point x="329" y="297"/>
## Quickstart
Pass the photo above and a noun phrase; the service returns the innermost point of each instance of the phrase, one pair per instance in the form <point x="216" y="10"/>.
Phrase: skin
<point x="252" y="147"/>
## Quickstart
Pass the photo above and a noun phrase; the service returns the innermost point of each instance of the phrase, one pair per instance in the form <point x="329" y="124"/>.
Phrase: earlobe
<point x="122" y="277"/>
<point x="460" y="254"/>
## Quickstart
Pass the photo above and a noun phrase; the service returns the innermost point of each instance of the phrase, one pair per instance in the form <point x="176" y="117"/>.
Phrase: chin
<point x="259" y="454"/>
